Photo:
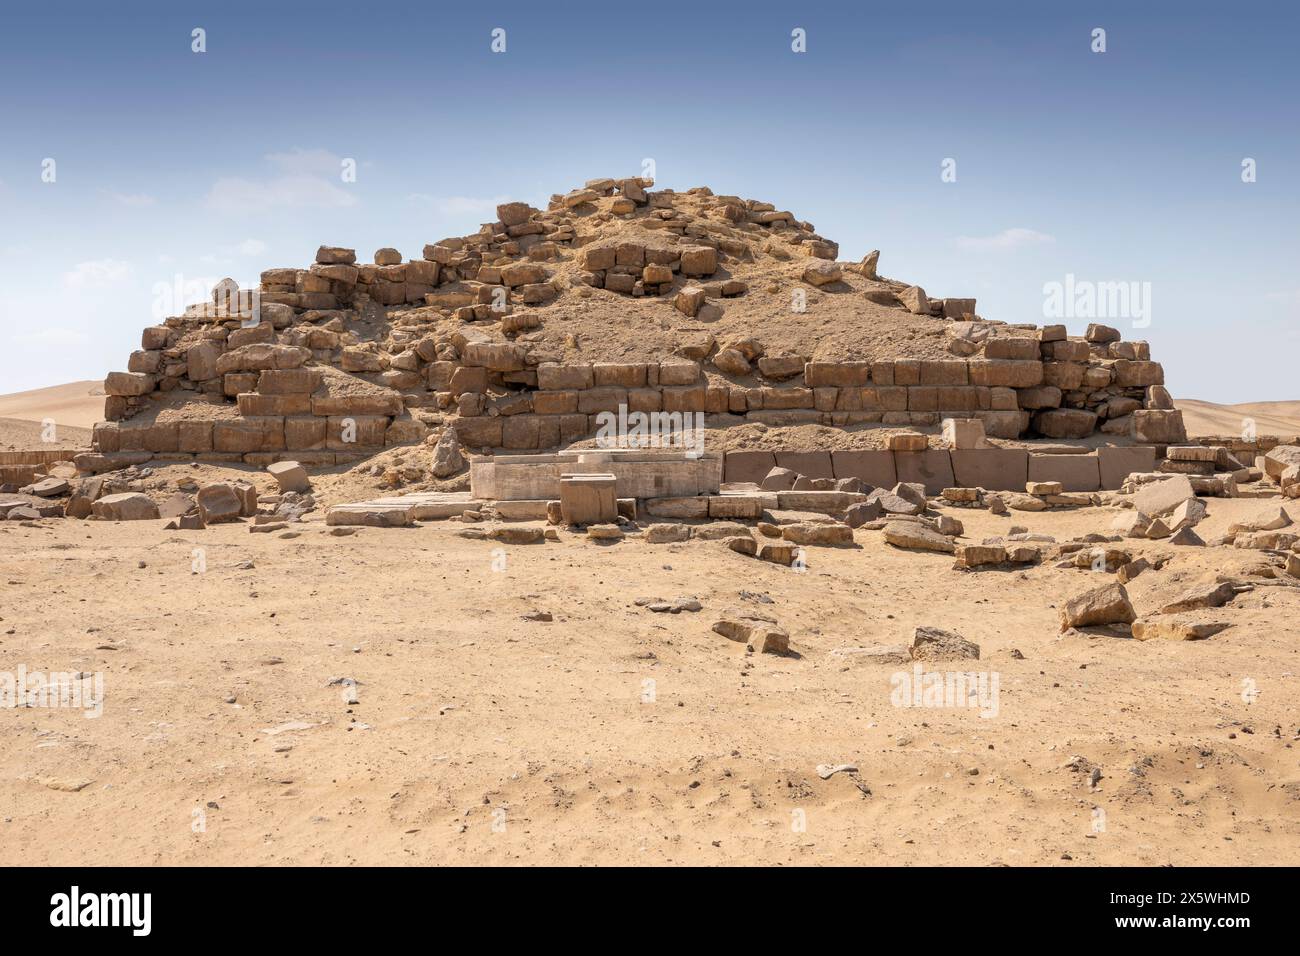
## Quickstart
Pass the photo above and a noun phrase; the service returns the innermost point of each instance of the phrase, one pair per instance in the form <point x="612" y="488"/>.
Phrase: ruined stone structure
<point x="502" y="335"/>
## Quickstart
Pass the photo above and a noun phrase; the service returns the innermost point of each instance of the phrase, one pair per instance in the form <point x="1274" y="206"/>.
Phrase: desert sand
<point x="1270" y="418"/>
<point x="74" y="407"/>
<point x="612" y="734"/>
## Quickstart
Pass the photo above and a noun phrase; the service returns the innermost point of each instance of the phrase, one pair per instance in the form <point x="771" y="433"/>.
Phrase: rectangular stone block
<point x="822" y="502"/>
<point x="1012" y="373"/>
<point x="688" y="398"/>
<point x="932" y="468"/>
<point x="1012" y="347"/>
<point x="1118" y="463"/>
<point x="626" y="375"/>
<point x="352" y="432"/>
<point x="745" y="465"/>
<point x="593" y="401"/>
<point x="1004" y="424"/>
<point x="736" y="506"/>
<point x="1073" y="472"/>
<point x="288" y="381"/>
<point x="812" y="464"/>
<point x="555" y="403"/>
<point x="776" y="399"/>
<point x="555" y="377"/>
<point x="644" y="400"/>
<point x="254" y="403"/>
<point x="249" y="434"/>
<point x="683" y="508"/>
<point x="520" y="431"/>
<point x="679" y="373"/>
<point x="305" y="433"/>
<point x="482" y="431"/>
<point x="994" y="469"/>
<point x="1159" y="427"/>
<point x="235" y="382"/>
<point x="875" y="467"/>
<point x="839" y="374"/>
<point x="944" y="372"/>
<point x="192" y="436"/>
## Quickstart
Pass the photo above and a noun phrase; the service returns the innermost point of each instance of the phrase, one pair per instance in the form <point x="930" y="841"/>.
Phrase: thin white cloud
<point x="234" y="194"/>
<point x="131" y="199"/>
<point x="251" y="247"/>
<point x="1015" y="238"/>
<point x="307" y="162"/>
<point x="306" y="178"/>
<point x="460" y="205"/>
<point x="52" y="336"/>
<point x="97" y="274"/>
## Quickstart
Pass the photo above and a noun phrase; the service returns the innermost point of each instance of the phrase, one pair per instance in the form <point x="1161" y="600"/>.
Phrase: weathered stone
<point x="289" y="475"/>
<point x="936" y="644"/>
<point x="1159" y="498"/>
<point x="447" y="457"/>
<point x="914" y="300"/>
<point x="667" y="533"/>
<point x="978" y="555"/>
<point x="822" y="272"/>
<point x="218" y="502"/>
<point x="917" y="537"/>
<point x="762" y="634"/>
<point x="1175" y="629"/>
<point x="820" y="533"/>
<point x="125" y="506"/>
<point x="1107" y="604"/>
<point x="779" y="479"/>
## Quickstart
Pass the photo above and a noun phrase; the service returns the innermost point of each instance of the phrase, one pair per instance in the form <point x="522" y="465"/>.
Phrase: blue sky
<point x="1122" y="166"/>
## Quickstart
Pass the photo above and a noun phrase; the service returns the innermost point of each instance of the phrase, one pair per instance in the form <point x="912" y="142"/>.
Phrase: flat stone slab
<point x="824" y="502"/>
<point x="1072" y="472"/>
<point x="370" y="514"/>
<point x="875" y="467"/>
<point x="931" y="468"/>
<point x="993" y="469"/>
<point x="430" y="505"/>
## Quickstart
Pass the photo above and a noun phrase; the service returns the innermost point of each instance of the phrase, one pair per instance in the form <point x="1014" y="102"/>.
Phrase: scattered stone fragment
<point x="742" y="544"/>
<point x="126" y="506"/>
<point x="821" y="534"/>
<point x="827" y="770"/>
<point x="667" y="533"/>
<point x="289" y="475"/>
<point x="447" y="457"/>
<point x="910" y="535"/>
<point x="758" y="631"/>
<point x="936" y="644"/>
<point x="1175" y="629"/>
<point x="517" y="534"/>
<point x="1203" y="596"/>
<point x="1107" y="604"/>
<point x="1187" y="538"/>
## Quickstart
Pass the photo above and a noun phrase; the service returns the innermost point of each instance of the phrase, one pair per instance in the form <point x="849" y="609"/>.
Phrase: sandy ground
<point x="75" y="405"/>
<point x="617" y="735"/>
<point x="1270" y="418"/>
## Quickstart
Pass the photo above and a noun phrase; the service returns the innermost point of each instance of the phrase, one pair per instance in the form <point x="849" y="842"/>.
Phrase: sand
<point x="1270" y="418"/>
<point x="482" y="737"/>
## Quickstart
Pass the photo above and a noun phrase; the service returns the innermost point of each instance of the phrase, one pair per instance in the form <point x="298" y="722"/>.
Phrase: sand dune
<point x="1271" y="418"/>
<point x="76" y="404"/>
